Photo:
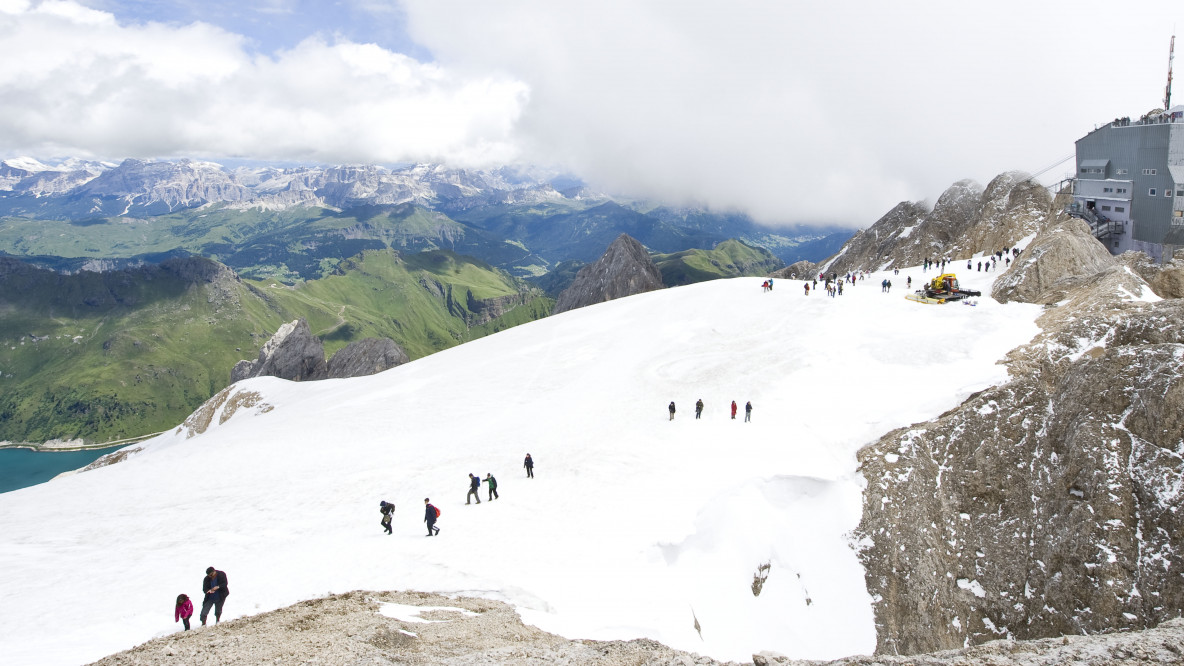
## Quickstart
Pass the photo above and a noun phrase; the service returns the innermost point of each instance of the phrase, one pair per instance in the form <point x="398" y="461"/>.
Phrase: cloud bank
<point x="793" y="112"/>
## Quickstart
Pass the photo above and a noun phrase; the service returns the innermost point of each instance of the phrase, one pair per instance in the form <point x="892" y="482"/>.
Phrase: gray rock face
<point x="365" y="357"/>
<point x="295" y="354"/>
<point x="624" y="270"/>
<point x="1051" y="504"/>
<point x="966" y="220"/>
<point x="292" y="353"/>
<point x="1061" y="258"/>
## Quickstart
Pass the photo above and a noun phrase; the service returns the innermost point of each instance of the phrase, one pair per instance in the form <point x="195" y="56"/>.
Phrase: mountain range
<point x="296" y="223"/>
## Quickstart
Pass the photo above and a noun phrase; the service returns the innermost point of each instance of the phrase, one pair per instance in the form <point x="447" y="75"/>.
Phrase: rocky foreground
<point x="349" y="629"/>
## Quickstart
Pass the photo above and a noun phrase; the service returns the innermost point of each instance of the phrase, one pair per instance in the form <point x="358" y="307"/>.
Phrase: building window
<point x="1167" y="193"/>
<point x="1148" y="172"/>
<point x="1105" y="208"/>
<point x="1122" y="190"/>
<point x="1179" y="213"/>
<point x="1180" y="193"/>
<point x="1151" y="192"/>
<point x="1120" y="209"/>
<point x="1107" y="189"/>
<point x="1121" y="172"/>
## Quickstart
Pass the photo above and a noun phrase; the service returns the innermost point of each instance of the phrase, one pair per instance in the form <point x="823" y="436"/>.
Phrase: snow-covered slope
<point x="634" y="525"/>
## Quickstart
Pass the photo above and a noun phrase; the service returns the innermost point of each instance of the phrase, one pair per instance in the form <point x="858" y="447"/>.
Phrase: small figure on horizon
<point x="474" y="486"/>
<point x="529" y="465"/>
<point x="748" y="411"/>
<point x="699" y="408"/>
<point x="388" y="512"/>
<point x="184" y="610"/>
<point x="733" y="410"/>
<point x="671" y="408"/>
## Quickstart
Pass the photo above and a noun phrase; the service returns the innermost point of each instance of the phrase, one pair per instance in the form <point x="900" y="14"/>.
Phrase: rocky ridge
<point x="1049" y="505"/>
<point x="966" y="220"/>
<point x="294" y="353"/>
<point x="624" y="270"/>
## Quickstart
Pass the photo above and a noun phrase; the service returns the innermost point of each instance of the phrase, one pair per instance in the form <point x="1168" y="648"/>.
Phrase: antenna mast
<point x="1167" y="93"/>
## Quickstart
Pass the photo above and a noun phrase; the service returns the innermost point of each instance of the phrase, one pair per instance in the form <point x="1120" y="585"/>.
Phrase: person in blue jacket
<point x="430" y="514"/>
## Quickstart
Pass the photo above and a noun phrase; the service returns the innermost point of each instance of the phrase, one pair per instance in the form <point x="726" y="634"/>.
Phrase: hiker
<point x="430" y="514"/>
<point x="217" y="589"/>
<point x="770" y="284"/>
<point x="888" y="287"/>
<point x="909" y="282"/>
<point x="529" y="465"/>
<point x="765" y="285"/>
<point x="698" y="408"/>
<point x="388" y="512"/>
<point x="671" y="410"/>
<point x="807" y="288"/>
<point x="184" y="610"/>
<point x="733" y="410"/>
<point x="748" y="411"/>
<point x="474" y="486"/>
<point x="492" y="486"/>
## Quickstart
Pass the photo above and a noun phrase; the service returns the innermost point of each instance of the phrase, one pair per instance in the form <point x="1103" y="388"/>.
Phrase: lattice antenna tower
<point x="1167" y="93"/>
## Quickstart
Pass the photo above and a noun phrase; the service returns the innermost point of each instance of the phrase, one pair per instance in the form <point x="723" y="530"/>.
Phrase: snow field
<point x="632" y="523"/>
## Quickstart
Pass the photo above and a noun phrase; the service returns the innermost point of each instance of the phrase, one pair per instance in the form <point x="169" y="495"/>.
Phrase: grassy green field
<point x="730" y="258"/>
<point x="103" y="356"/>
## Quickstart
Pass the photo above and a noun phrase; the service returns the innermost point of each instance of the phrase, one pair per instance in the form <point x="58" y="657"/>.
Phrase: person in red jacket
<point x="184" y="610"/>
<point x="733" y="409"/>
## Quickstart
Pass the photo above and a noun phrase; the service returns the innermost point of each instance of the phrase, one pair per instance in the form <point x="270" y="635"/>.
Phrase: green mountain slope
<point x="730" y="258"/>
<point x="103" y="356"/>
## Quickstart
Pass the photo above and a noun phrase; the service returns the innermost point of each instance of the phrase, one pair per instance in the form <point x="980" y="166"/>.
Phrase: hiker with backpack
<point x="492" y="486"/>
<point x="430" y="514"/>
<point x="474" y="486"/>
<point x="529" y="465"/>
<point x="388" y="512"/>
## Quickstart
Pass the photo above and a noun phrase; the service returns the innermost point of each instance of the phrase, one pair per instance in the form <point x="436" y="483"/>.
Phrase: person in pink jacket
<point x="183" y="611"/>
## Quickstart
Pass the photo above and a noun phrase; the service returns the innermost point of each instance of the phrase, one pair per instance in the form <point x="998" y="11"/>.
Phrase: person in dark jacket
<point x="529" y="465"/>
<point x="430" y="514"/>
<point x="748" y="411"/>
<point x="217" y="589"/>
<point x="388" y="512"/>
<point x="699" y="408"/>
<point x="492" y="486"/>
<point x="671" y="408"/>
<point x="474" y="486"/>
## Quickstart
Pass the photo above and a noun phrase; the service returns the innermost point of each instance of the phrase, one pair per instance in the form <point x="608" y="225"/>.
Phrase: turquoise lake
<point x="21" y="468"/>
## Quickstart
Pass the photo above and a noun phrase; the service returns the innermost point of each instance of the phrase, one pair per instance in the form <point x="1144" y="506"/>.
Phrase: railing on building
<point x="1101" y="226"/>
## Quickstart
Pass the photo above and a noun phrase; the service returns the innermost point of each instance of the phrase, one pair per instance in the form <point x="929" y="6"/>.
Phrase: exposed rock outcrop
<point x="1050" y="504"/>
<point x="624" y="270"/>
<point x="796" y="271"/>
<point x="966" y="220"/>
<point x="294" y="353"/>
<point x="365" y="357"/>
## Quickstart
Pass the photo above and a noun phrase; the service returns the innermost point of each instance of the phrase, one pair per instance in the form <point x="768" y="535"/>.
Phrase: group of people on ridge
<point x="431" y="513"/>
<point x="699" y="409"/>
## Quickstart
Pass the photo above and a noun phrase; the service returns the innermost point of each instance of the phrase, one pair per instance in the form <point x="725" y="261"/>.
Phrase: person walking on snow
<point x="388" y="512"/>
<point x="529" y="465"/>
<point x="430" y="514"/>
<point x="733" y="410"/>
<point x="216" y="589"/>
<point x="699" y="408"/>
<point x="474" y="486"/>
<point x="184" y="610"/>
<point x="492" y="486"/>
<point x="748" y="411"/>
<point x="671" y="410"/>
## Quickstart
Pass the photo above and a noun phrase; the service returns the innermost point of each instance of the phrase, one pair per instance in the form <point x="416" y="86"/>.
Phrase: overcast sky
<point x="794" y="112"/>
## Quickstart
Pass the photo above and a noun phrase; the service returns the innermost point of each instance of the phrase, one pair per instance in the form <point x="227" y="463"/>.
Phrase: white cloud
<point x="807" y="111"/>
<point x="86" y="85"/>
<point x="795" y="112"/>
